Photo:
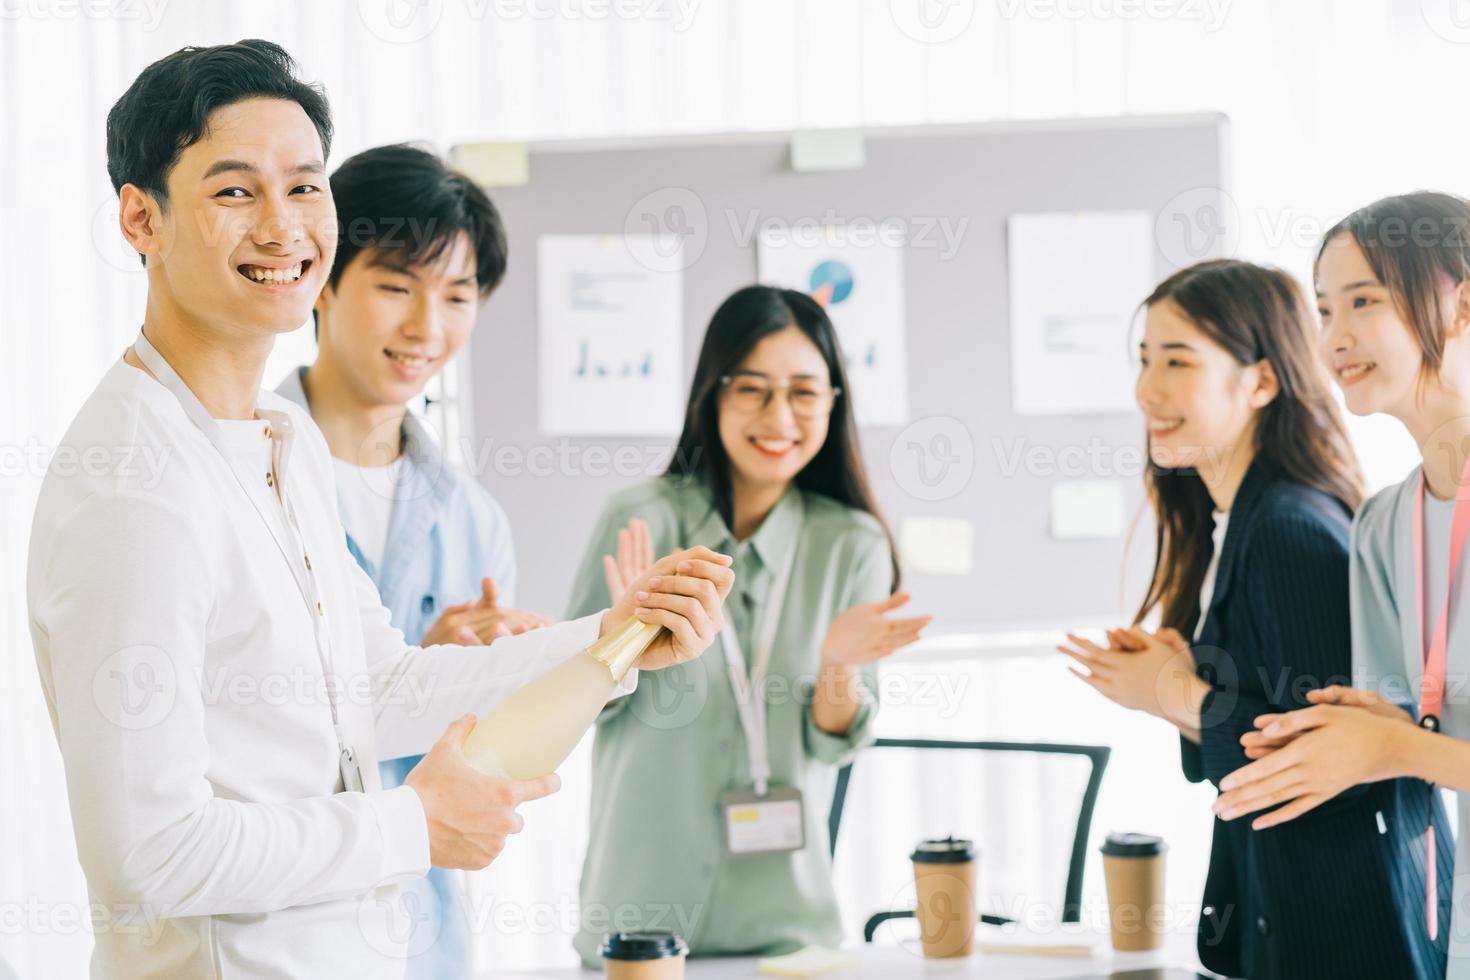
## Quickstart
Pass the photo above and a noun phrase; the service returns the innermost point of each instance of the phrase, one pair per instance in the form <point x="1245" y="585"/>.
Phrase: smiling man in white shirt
<point x="221" y="675"/>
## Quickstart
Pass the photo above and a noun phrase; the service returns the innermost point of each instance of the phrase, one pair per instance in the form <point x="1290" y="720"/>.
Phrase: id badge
<point x="764" y="824"/>
<point x="351" y="772"/>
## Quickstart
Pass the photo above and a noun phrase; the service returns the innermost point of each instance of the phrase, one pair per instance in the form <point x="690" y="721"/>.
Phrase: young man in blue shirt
<point x="419" y="248"/>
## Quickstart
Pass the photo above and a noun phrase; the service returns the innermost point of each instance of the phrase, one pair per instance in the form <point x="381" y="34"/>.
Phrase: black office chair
<point x="1097" y="755"/>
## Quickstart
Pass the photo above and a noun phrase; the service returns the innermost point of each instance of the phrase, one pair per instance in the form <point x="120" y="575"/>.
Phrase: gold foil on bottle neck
<point x="620" y="649"/>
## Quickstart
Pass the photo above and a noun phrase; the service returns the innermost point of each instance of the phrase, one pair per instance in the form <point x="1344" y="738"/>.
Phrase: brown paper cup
<point x="668" y="968"/>
<point x="643" y="956"/>
<point x="1133" y="865"/>
<point x="946" y="876"/>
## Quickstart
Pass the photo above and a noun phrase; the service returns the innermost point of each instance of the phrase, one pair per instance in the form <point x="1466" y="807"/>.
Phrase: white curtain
<point x="1332" y="105"/>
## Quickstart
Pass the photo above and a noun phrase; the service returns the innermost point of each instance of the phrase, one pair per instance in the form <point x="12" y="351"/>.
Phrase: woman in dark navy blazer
<point x="1253" y="484"/>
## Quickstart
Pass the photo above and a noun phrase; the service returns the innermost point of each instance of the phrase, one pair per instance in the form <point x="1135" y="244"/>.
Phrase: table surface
<point x="905" y="960"/>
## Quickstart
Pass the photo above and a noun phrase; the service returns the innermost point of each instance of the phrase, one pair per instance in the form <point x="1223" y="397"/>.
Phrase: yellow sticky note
<point x="492" y="164"/>
<point x="814" y="961"/>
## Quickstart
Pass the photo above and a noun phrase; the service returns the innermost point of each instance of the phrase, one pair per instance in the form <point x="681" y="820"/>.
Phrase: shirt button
<point x="319" y="609"/>
<point x="270" y="479"/>
<point x="308" y="562"/>
<point x="267" y="430"/>
<point x="428" y="604"/>
<point x="1262" y="926"/>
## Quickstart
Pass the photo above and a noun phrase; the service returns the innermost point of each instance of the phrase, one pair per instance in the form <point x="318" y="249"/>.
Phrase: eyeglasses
<point x="751" y="394"/>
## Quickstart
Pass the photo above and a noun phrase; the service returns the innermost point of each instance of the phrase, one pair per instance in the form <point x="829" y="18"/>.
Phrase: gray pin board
<point x="553" y="488"/>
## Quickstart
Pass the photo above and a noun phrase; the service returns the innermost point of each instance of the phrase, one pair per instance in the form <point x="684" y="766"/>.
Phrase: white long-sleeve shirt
<point x="180" y="664"/>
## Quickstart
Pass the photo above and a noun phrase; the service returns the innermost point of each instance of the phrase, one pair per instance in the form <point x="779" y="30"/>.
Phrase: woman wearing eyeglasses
<point x="711" y="783"/>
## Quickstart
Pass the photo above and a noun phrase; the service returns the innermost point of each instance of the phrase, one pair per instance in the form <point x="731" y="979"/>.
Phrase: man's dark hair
<point x="404" y="207"/>
<point x="167" y="107"/>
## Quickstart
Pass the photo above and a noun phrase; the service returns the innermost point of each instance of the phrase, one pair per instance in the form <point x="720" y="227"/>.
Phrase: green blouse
<point x="664" y="756"/>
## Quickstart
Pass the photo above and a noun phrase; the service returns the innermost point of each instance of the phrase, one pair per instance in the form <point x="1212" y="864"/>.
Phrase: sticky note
<point x="813" y="961"/>
<point x="492" y="164"/>
<point x="827" y="149"/>
<point x="1087" y="509"/>
<point x="937" y="545"/>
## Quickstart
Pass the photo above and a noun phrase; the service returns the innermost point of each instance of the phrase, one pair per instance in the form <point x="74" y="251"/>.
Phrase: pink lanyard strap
<point x="1432" y="682"/>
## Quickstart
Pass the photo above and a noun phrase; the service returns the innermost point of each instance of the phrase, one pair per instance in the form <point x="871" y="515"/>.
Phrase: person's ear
<point x="1266" y="385"/>
<point x="140" y="218"/>
<point x="323" y="303"/>
<point x="1460" y="310"/>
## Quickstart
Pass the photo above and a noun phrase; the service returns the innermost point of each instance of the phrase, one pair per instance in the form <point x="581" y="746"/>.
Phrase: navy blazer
<point x="1338" y="892"/>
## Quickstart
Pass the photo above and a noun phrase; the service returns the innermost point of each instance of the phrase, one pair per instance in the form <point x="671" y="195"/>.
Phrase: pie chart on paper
<point x="831" y="282"/>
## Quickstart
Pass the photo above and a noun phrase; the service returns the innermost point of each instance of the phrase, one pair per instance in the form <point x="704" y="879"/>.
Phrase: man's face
<point x="389" y="327"/>
<point x="249" y="233"/>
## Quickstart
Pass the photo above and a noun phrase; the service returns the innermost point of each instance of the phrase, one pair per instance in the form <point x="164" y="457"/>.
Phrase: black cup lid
<point x="950" y="850"/>
<point x="642" y="946"/>
<point x="1133" y="845"/>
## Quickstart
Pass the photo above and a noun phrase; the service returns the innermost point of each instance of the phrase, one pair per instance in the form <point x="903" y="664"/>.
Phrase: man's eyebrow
<point x="465" y="281"/>
<point x="1175" y="345"/>
<point x="244" y="167"/>
<point x="382" y="258"/>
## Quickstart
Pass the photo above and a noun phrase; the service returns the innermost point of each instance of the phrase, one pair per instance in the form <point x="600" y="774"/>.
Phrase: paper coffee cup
<point x="643" y="956"/>
<point x="1133" y="865"/>
<point x="947" y="875"/>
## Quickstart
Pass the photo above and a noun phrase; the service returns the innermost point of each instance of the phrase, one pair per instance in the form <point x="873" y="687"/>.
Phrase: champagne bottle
<point x="532" y="732"/>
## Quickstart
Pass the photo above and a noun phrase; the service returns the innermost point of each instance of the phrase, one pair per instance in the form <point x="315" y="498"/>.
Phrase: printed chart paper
<point x="859" y="279"/>
<point x="610" y="338"/>
<point x="1076" y="280"/>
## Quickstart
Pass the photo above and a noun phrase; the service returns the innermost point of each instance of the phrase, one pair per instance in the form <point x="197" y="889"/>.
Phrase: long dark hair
<point x="744" y="319"/>
<point x="1256" y="314"/>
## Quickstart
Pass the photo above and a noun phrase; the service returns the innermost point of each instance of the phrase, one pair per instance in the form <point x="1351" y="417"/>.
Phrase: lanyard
<point x="280" y="425"/>
<point x="1432" y="681"/>
<point x="750" y="699"/>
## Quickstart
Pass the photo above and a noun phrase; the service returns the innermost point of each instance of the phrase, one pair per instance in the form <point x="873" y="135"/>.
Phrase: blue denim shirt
<point x="445" y="533"/>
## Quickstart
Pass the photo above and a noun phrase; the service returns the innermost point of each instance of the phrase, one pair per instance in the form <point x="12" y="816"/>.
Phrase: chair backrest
<point x="1096" y="754"/>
